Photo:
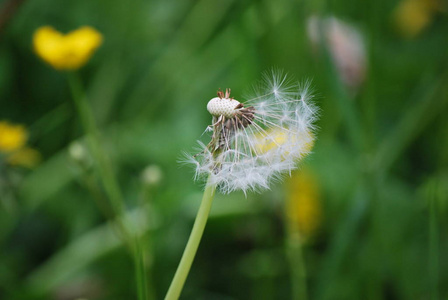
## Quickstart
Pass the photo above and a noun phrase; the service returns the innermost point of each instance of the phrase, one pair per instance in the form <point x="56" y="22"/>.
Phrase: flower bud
<point x="152" y="175"/>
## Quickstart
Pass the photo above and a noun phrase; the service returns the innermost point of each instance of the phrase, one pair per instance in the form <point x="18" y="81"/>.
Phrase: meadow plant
<point x="253" y="142"/>
<point x="303" y="217"/>
<point x="12" y="137"/>
<point x="303" y="208"/>
<point x="346" y="45"/>
<point x="70" y="52"/>
<point x="66" y="52"/>
<point x="13" y="149"/>
<point x="412" y="17"/>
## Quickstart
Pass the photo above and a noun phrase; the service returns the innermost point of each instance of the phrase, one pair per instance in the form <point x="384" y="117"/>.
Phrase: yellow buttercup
<point x="24" y="157"/>
<point x="303" y="206"/>
<point x="12" y="137"/>
<point x="66" y="51"/>
<point x="13" y="147"/>
<point x="413" y="16"/>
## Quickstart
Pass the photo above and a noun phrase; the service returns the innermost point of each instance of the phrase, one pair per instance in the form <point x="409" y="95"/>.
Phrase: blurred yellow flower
<point x="12" y="146"/>
<point x="413" y="16"/>
<point x="66" y="52"/>
<point x="303" y="207"/>
<point x="12" y="137"/>
<point x="25" y="157"/>
<point x="266" y="144"/>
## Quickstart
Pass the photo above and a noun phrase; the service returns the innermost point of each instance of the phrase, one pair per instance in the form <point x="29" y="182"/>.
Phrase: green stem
<point x="140" y="273"/>
<point x="412" y="122"/>
<point x="433" y="246"/>
<point x="297" y="265"/>
<point x="102" y="163"/>
<point x="345" y="103"/>
<point x="192" y="245"/>
<point x="146" y="244"/>
<point x="104" y="167"/>
<point x="110" y="184"/>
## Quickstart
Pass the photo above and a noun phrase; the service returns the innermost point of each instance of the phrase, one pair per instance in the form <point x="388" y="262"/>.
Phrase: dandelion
<point x="255" y="141"/>
<point x="66" y="52"/>
<point x="252" y="143"/>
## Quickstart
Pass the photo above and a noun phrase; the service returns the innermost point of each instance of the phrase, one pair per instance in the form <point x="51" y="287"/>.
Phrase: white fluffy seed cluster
<point x="222" y="107"/>
<point x="278" y="137"/>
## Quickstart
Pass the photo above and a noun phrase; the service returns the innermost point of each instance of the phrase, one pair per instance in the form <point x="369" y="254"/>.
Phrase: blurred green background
<point x="379" y="171"/>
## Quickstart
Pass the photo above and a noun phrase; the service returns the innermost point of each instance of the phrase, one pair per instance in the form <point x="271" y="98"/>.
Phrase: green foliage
<point x="380" y="159"/>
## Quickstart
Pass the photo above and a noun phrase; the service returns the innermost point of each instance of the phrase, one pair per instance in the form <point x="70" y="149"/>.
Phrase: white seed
<point x="222" y="107"/>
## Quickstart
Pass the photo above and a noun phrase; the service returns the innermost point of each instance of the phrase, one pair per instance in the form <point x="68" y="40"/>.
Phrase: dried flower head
<point x="346" y="45"/>
<point x="257" y="140"/>
<point x="66" y="52"/>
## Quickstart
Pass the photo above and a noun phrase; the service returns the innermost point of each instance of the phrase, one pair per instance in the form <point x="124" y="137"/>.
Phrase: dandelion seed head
<point x="255" y="141"/>
<point x="222" y="107"/>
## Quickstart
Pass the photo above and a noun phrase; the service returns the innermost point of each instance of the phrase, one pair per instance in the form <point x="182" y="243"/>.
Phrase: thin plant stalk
<point x="110" y="184"/>
<point x="140" y="270"/>
<point x="183" y="269"/>
<point x="433" y="246"/>
<point x="104" y="167"/>
<point x="147" y="244"/>
<point x="296" y="263"/>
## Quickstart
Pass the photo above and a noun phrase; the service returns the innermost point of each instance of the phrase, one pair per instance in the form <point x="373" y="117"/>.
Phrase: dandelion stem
<point x="192" y="245"/>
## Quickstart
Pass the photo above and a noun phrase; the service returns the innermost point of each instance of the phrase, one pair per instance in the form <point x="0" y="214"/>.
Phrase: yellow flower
<point x="265" y="144"/>
<point x="12" y="146"/>
<point x="25" y="157"/>
<point x="412" y="16"/>
<point x="66" y="52"/>
<point x="12" y="137"/>
<point x="303" y="208"/>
